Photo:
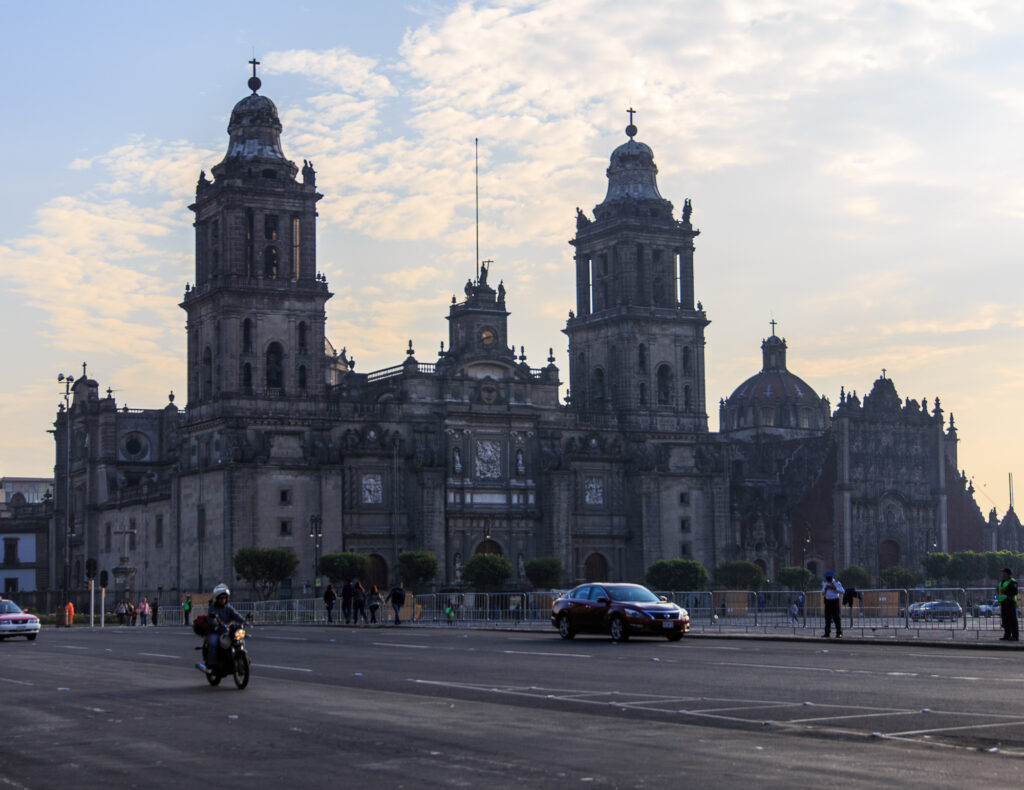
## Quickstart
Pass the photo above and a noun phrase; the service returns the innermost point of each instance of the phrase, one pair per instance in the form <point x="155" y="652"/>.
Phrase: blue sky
<point x="855" y="168"/>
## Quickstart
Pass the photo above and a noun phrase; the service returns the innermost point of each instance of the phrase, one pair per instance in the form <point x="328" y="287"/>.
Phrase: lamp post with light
<point x="316" y="534"/>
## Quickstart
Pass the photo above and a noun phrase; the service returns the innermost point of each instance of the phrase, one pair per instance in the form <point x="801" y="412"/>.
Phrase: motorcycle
<point x="232" y="659"/>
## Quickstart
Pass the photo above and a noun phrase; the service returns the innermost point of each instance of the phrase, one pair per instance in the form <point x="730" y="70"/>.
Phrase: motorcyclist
<point x="220" y="615"/>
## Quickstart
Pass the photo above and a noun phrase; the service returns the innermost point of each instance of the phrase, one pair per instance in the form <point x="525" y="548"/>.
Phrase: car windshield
<point x="9" y="607"/>
<point x="631" y="593"/>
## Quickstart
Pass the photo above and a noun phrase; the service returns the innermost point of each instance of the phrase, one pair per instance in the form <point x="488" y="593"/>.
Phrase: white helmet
<point x="221" y="589"/>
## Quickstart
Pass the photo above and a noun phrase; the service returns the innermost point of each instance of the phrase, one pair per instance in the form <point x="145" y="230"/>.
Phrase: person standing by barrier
<point x="1007" y="596"/>
<point x="121" y="611"/>
<point x="156" y="611"/>
<point x="359" y="603"/>
<point x="144" y="611"/>
<point x="69" y="613"/>
<point x="397" y="598"/>
<point x="347" y="592"/>
<point x="186" y="609"/>
<point x="330" y="598"/>
<point x="832" y="592"/>
<point x="375" y="603"/>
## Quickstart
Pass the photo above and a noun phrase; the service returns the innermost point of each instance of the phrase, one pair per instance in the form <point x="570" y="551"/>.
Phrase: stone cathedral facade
<point x="475" y="451"/>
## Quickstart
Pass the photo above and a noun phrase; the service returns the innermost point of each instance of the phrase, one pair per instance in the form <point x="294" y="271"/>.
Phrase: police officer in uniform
<point x="832" y="591"/>
<point x="1007" y="597"/>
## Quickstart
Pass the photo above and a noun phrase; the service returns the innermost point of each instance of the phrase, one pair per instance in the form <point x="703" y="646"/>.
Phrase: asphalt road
<point x="429" y="708"/>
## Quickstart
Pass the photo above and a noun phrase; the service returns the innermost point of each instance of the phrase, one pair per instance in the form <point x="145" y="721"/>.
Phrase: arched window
<point x="888" y="554"/>
<point x="686" y="397"/>
<point x="247" y="336"/>
<point x="275" y="367"/>
<point x="643" y="394"/>
<point x="302" y="377"/>
<point x="247" y="378"/>
<point x="270" y="262"/>
<point x="296" y="246"/>
<point x="664" y="385"/>
<point x="303" y="337"/>
<point x="686" y="360"/>
<point x="378" y="575"/>
<point x="641" y="358"/>
<point x="207" y="372"/>
<point x="595" y="568"/>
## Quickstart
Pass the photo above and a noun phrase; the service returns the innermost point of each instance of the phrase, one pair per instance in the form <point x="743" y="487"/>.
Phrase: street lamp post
<point x="316" y="534"/>
<point x="67" y="381"/>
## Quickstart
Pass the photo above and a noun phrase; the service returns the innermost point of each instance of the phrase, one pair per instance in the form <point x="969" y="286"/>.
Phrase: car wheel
<point x="618" y="630"/>
<point x="674" y="637"/>
<point x="564" y="628"/>
<point x="31" y="637"/>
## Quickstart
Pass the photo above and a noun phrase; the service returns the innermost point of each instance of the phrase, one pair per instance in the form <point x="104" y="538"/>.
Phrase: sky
<point x="855" y="168"/>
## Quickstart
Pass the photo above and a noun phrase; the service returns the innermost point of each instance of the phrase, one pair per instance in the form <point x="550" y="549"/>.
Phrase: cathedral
<point x="282" y="443"/>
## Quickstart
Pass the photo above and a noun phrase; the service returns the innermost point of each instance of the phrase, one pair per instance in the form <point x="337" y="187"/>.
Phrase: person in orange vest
<point x="69" y="612"/>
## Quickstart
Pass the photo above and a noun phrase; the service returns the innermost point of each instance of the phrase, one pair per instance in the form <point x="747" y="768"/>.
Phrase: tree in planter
<point x="740" y="575"/>
<point x="265" y="569"/>
<point x="545" y="573"/>
<point x="676" y="574"/>
<point x="855" y="576"/>
<point x="417" y="567"/>
<point x="796" y="578"/>
<point x="340" y="567"/>
<point x="487" y="572"/>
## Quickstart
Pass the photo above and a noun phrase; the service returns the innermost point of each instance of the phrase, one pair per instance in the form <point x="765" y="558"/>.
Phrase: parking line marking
<point x="853" y="716"/>
<point x="947" y="729"/>
<point x="158" y="655"/>
<point x="539" y="653"/>
<point x="287" y="669"/>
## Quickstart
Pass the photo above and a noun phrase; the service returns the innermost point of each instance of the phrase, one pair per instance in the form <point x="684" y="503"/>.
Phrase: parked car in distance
<point x="985" y="610"/>
<point x="620" y="610"/>
<point x="912" y="610"/>
<point x="15" y="622"/>
<point x="938" y="611"/>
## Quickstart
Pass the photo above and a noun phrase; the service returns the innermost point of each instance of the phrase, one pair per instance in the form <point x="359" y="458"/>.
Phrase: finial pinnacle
<point x="773" y="322"/>
<point x="631" y="129"/>
<point x="254" y="81"/>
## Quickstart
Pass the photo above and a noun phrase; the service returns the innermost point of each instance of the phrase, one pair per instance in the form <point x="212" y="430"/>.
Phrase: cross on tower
<point x="631" y="112"/>
<point x="254" y="64"/>
<point x="773" y="322"/>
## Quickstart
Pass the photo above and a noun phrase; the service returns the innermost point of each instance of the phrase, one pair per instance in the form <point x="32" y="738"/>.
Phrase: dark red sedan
<point x="621" y="610"/>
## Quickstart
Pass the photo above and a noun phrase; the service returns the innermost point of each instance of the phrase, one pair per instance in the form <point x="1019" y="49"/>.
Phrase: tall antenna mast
<point x="1011" y="490"/>
<point x="476" y="171"/>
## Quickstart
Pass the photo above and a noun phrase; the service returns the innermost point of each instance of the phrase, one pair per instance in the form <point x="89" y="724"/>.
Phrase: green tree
<point x="265" y="569"/>
<point x="896" y="577"/>
<point x="966" y="567"/>
<point x="486" y="572"/>
<point x="997" y="560"/>
<point x="740" y="575"/>
<point x="854" y="576"/>
<point x="676" y="574"/>
<point x="349" y="565"/>
<point x="545" y="573"/>
<point x="417" y="567"/>
<point x="936" y="565"/>
<point x="795" y="578"/>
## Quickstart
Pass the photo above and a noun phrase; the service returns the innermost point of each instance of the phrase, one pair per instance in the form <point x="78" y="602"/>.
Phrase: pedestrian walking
<point x="69" y="613"/>
<point x="186" y="609"/>
<point x="121" y="611"/>
<point x="397" y="598"/>
<point x="375" y="602"/>
<point x="156" y="611"/>
<point x="359" y="603"/>
<point x="1007" y="596"/>
<point x="330" y="598"/>
<point x="144" y="611"/>
<point x="832" y="592"/>
<point x="133" y="614"/>
<point x="347" y="592"/>
<point x="794" y="614"/>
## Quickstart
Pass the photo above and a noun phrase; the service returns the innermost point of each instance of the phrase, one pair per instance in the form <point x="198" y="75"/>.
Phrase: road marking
<point x="402" y="644"/>
<point x="853" y="716"/>
<point x="158" y="655"/>
<point x="539" y="653"/>
<point x="962" y="658"/>
<point x="902" y="674"/>
<point x="73" y="647"/>
<point x="17" y="682"/>
<point x="287" y="669"/>
<point x="286" y="638"/>
<point x="957" y="728"/>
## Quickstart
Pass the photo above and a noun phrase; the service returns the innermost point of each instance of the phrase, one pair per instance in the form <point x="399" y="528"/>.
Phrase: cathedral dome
<point x="632" y="172"/>
<point x="255" y="129"/>
<point x="774" y="402"/>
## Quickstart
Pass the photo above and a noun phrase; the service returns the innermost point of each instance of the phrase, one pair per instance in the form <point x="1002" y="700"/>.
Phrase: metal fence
<point x="932" y="608"/>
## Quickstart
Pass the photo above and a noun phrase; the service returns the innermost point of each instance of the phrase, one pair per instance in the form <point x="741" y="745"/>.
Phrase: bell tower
<point x="256" y="311"/>
<point x="636" y="339"/>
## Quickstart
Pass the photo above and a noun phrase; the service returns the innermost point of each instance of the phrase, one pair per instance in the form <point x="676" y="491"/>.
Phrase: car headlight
<point x="638" y="614"/>
<point x="683" y="614"/>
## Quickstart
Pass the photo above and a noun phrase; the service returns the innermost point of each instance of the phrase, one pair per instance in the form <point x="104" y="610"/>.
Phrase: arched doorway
<point x="378" y="572"/>
<point x="888" y="554"/>
<point x="763" y="566"/>
<point x="595" y="568"/>
<point x="488" y="547"/>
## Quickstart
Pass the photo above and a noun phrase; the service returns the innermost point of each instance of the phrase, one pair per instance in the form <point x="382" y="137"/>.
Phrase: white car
<point x="14" y="622"/>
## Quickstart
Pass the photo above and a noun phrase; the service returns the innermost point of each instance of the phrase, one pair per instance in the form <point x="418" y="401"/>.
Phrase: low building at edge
<point x="472" y="451"/>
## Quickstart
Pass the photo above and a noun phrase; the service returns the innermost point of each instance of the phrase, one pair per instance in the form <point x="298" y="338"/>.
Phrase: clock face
<point x="487" y="337"/>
